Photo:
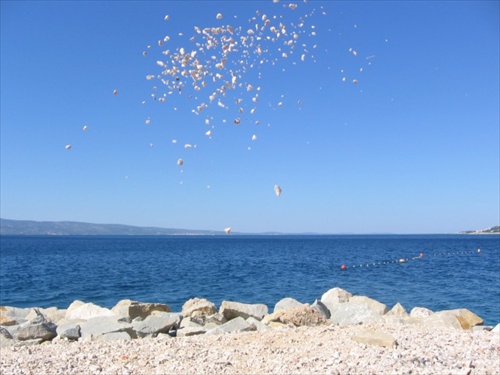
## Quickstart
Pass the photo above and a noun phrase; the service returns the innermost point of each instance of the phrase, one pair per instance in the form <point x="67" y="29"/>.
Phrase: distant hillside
<point x="492" y="230"/>
<point x="61" y="228"/>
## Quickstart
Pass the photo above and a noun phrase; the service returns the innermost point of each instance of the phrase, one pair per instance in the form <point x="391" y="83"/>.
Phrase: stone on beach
<point x="112" y="336"/>
<point x="4" y="333"/>
<point x="468" y="316"/>
<point x="128" y="310"/>
<point x="397" y="310"/>
<point x="321" y="308"/>
<point x="376" y="307"/>
<point x="70" y="331"/>
<point x="274" y="317"/>
<point x="335" y="296"/>
<point x="231" y="310"/>
<point x="198" y="307"/>
<point x="53" y="314"/>
<point x="259" y="326"/>
<point x="37" y="328"/>
<point x="373" y="337"/>
<point x="155" y="324"/>
<point x="86" y="311"/>
<point x="352" y="313"/>
<point x="237" y="324"/>
<point x="458" y="319"/>
<point x="6" y="338"/>
<point x="217" y="319"/>
<point x="303" y="315"/>
<point x="286" y="303"/>
<point x="101" y="325"/>
<point x="189" y="327"/>
<point x="420" y="312"/>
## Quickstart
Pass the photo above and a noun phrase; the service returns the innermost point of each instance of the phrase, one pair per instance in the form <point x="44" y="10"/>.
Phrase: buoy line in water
<point x="345" y="267"/>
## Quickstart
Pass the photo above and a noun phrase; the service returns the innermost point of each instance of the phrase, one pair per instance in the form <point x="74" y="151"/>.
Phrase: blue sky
<point x="412" y="147"/>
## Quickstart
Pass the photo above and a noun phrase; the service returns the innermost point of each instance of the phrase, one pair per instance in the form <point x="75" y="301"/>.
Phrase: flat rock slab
<point x="102" y="325"/>
<point x="113" y="336"/>
<point x="191" y="331"/>
<point x="237" y="324"/>
<point x="232" y="310"/>
<point x="377" y="338"/>
<point x="155" y="324"/>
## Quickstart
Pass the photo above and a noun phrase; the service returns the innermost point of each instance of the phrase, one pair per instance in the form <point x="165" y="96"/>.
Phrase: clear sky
<point x="372" y="116"/>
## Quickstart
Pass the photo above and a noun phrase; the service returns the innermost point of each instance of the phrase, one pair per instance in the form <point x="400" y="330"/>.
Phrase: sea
<point x="438" y="272"/>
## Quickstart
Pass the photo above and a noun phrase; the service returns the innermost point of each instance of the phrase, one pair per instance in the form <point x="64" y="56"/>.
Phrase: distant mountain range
<point x="492" y="230"/>
<point x="61" y="228"/>
<point x="66" y="228"/>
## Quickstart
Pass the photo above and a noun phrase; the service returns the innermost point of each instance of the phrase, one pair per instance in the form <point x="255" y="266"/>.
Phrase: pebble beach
<point x="301" y="350"/>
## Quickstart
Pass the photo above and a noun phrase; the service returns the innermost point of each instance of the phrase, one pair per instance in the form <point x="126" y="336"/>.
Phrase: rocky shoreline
<point x="340" y="333"/>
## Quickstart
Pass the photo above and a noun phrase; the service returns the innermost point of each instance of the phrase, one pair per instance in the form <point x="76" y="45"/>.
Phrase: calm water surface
<point x="56" y="270"/>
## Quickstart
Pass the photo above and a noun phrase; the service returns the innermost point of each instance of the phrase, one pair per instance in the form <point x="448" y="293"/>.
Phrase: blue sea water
<point x="56" y="270"/>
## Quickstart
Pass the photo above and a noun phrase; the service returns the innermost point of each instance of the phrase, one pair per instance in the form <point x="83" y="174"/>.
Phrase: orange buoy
<point x="343" y="267"/>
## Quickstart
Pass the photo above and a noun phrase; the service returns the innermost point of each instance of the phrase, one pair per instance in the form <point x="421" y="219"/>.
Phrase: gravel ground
<point x="305" y="350"/>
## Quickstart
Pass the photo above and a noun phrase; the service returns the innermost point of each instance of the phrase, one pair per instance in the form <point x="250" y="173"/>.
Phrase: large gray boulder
<point x="286" y="303"/>
<point x="94" y="327"/>
<point x="232" y="310"/>
<point x="128" y="310"/>
<point x="335" y="296"/>
<point x="37" y="328"/>
<point x="237" y="324"/>
<point x="155" y="324"/>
